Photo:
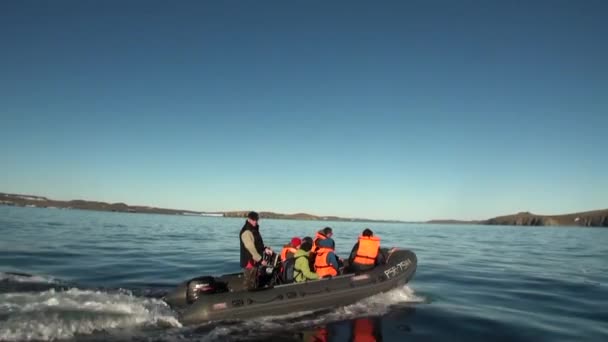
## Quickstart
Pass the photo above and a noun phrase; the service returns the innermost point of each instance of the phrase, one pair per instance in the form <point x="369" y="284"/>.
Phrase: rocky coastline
<point x="596" y="218"/>
<point x="44" y="202"/>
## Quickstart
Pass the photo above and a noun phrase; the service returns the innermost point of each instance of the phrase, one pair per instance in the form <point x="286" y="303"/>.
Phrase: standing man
<point x="252" y="249"/>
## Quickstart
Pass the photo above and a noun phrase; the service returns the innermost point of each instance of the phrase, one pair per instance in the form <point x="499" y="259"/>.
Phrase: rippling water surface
<point x="99" y="277"/>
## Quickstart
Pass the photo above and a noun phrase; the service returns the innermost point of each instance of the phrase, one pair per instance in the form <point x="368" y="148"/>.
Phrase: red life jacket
<point x="320" y="335"/>
<point x="363" y="331"/>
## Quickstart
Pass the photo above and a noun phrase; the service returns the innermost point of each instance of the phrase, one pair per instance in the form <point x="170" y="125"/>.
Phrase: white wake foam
<point x="52" y="315"/>
<point x="17" y="278"/>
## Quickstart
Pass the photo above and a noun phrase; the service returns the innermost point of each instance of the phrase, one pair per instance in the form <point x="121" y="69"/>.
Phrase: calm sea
<point x="98" y="277"/>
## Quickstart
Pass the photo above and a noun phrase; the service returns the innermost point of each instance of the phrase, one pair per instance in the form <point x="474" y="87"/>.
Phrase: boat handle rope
<point x="327" y="289"/>
<point x="251" y="301"/>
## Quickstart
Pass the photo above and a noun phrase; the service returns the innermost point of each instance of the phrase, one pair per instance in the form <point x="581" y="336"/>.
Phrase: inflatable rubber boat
<point x="210" y="298"/>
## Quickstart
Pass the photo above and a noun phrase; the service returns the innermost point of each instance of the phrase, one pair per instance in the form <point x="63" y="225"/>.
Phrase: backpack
<point x="288" y="273"/>
<point x="289" y="266"/>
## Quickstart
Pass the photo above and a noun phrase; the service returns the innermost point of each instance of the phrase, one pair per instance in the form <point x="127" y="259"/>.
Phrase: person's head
<point x="253" y="218"/>
<point x="307" y="239"/>
<point x="327" y="243"/>
<point x="295" y="242"/>
<point x="306" y="244"/>
<point x="367" y="232"/>
<point x="327" y="231"/>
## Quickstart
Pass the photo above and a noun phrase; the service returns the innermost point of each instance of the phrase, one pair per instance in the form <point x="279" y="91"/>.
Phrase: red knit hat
<point x="296" y="241"/>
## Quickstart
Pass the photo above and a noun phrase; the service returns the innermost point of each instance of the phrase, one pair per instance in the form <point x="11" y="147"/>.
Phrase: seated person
<point x="302" y="270"/>
<point x="326" y="261"/>
<point x="289" y="250"/>
<point x="366" y="253"/>
<point x="325" y="233"/>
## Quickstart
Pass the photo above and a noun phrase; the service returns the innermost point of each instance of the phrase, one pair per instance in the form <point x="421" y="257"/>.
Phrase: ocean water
<point x="99" y="277"/>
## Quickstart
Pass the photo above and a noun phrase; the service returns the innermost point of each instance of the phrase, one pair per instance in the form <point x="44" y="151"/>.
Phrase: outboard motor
<point x="269" y="275"/>
<point x="192" y="290"/>
<point x="202" y="286"/>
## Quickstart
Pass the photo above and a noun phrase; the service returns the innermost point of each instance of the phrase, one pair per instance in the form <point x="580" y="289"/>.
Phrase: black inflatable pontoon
<point x="217" y="298"/>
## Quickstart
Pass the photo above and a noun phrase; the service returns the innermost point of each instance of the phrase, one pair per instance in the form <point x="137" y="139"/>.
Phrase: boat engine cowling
<point x="202" y="286"/>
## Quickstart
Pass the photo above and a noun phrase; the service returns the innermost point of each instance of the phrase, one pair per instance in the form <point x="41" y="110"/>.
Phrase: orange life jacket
<point x="318" y="237"/>
<point x="363" y="330"/>
<point x="287" y="249"/>
<point x="368" y="250"/>
<point x="322" y="268"/>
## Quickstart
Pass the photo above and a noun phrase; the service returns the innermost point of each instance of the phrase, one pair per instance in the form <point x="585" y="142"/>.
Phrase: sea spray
<point x="52" y="315"/>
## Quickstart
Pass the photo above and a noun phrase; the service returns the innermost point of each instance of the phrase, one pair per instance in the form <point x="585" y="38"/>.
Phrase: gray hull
<point x="285" y="299"/>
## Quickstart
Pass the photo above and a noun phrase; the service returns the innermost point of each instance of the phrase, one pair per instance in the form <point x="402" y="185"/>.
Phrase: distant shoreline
<point x="596" y="218"/>
<point x="20" y="200"/>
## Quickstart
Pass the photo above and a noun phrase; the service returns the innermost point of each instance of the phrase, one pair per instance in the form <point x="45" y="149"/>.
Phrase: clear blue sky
<point x="406" y="110"/>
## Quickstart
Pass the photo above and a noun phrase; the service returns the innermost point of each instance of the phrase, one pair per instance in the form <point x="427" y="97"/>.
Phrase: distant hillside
<point x="299" y="216"/>
<point x="43" y="202"/>
<point x="452" y="222"/>
<point x="268" y="214"/>
<point x="597" y="218"/>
